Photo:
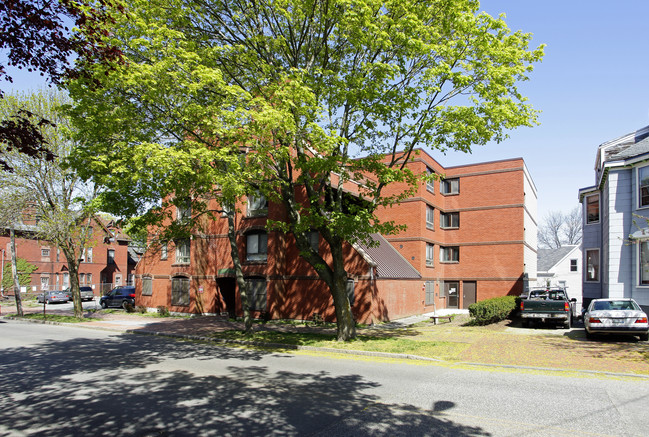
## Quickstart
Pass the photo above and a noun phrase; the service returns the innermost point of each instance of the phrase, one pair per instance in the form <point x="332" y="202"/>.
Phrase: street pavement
<point x="67" y="381"/>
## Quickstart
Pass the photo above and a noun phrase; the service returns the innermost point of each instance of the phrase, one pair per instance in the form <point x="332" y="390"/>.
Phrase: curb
<point x="338" y="351"/>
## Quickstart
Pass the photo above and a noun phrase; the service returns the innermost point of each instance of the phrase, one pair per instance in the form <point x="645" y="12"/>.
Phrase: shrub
<point x="163" y="311"/>
<point x="140" y="309"/>
<point x="492" y="310"/>
<point x="129" y="308"/>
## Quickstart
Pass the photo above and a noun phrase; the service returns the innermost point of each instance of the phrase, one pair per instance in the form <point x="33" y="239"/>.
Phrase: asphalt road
<point x="61" y="380"/>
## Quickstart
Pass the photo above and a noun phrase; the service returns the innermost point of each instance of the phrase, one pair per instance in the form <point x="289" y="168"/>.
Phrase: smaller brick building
<point x="471" y="235"/>
<point x="105" y="263"/>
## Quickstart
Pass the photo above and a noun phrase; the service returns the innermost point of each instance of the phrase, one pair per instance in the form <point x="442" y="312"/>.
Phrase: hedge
<point x="492" y="310"/>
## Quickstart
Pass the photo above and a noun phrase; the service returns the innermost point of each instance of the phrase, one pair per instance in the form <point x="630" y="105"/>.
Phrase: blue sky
<point x="592" y="86"/>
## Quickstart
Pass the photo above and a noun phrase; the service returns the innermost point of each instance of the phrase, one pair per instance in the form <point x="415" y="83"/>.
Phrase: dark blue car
<point x="121" y="296"/>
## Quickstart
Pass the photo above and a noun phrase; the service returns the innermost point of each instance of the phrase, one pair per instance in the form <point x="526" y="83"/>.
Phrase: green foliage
<point x="492" y="310"/>
<point x="25" y="270"/>
<point x="323" y="96"/>
<point x="163" y="311"/>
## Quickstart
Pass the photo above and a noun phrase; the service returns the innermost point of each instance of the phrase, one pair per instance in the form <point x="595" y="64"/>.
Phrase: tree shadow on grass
<point x="131" y="385"/>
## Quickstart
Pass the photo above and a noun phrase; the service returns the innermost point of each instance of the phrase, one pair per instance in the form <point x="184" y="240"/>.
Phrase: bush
<point x="140" y="309"/>
<point x="163" y="311"/>
<point x="492" y="310"/>
<point x="129" y="308"/>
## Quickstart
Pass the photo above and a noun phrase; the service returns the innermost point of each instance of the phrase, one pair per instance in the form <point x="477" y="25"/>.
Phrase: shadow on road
<point x="131" y="385"/>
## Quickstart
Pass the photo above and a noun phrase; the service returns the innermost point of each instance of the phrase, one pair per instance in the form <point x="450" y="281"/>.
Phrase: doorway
<point x="228" y="289"/>
<point x="451" y="291"/>
<point x="469" y="293"/>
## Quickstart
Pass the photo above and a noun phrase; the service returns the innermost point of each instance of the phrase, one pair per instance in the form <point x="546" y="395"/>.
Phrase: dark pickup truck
<point x="547" y="305"/>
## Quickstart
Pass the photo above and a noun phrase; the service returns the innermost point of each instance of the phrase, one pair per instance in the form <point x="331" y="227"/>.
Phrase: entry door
<point x="469" y="293"/>
<point x="452" y="290"/>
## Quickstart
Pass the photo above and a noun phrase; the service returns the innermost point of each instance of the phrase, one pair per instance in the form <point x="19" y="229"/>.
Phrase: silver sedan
<point x="616" y="316"/>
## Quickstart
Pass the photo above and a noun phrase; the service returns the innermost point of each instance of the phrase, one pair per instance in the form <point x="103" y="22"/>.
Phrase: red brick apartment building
<point x="105" y="262"/>
<point x="471" y="235"/>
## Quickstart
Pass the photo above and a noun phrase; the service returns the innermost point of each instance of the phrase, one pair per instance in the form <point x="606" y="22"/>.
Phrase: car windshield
<point x="615" y="305"/>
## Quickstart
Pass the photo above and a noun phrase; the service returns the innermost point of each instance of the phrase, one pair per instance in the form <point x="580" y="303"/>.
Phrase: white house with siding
<point x="561" y="268"/>
<point x="616" y="221"/>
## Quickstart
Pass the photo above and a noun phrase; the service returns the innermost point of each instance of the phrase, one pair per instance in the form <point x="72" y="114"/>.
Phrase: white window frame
<point x="164" y="252"/>
<point x="576" y="262"/>
<point x="183" y="251"/>
<point x="445" y="217"/>
<point x="430" y="185"/>
<point x="430" y="255"/>
<point x="89" y="255"/>
<point x="599" y="209"/>
<point x="430" y="217"/>
<point x="639" y="263"/>
<point x="450" y="186"/>
<point x="45" y="252"/>
<point x="639" y="181"/>
<point x="257" y="250"/>
<point x="444" y="251"/>
<point x="184" y="213"/>
<point x="586" y="265"/>
<point x="257" y="205"/>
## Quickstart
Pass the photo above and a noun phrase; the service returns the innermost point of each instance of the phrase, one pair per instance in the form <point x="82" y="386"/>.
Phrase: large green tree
<point x="55" y="196"/>
<point x="320" y="93"/>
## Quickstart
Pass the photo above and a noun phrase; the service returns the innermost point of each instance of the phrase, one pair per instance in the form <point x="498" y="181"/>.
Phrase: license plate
<point x="618" y="321"/>
<point x="544" y="316"/>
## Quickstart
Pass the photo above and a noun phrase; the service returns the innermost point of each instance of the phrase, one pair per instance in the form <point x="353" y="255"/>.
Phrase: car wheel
<point x="103" y="304"/>
<point x="568" y="323"/>
<point x="588" y="334"/>
<point x="525" y="323"/>
<point x="644" y="337"/>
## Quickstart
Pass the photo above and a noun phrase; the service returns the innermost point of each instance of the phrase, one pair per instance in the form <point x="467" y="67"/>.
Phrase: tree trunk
<point x="346" y="326"/>
<point x="243" y="287"/>
<point x="14" y="272"/>
<point x="73" y="270"/>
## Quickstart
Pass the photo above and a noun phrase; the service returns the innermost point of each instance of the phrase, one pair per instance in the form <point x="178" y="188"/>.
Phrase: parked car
<point x="616" y="316"/>
<point x="548" y="305"/>
<point x="53" y="296"/>
<point x="118" y="297"/>
<point x="86" y="293"/>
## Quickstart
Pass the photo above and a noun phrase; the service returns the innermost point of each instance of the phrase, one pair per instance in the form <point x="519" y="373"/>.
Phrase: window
<point x="450" y="220"/>
<point x="430" y="184"/>
<point x="643" y="182"/>
<point x="430" y="250"/>
<point x="430" y="217"/>
<point x="111" y="256"/>
<point x="66" y="279"/>
<point x="449" y="254"/>
<point x="82" y="278"/>
<point x="644" y="262"/>
<point x="184" y="213"/>
<point x="592" y="265"/>
<point x="183" y="251"/>
<point x="147" y="286"/>
<point x="89" y="255"/>
<point x="350" y="291"/>
<point x="314" y="240"/>
<point x="573" y="265"/>
<point x="164" y="252"/>
<point x="118" y="280"/>
<point x="58" y="254"/>
<point x="430" y="292"/>
<point x="257" y="205"/>
<point x="592" y="209"/>
<point x="180" y="291"/>
<point x="89" y="278"/>
<point x="256" y="294"/>
<point x="45" y="282"/>
<point x="450" y="186"/>
<point x="45" y="253"/>
<point x="257" y="247"/>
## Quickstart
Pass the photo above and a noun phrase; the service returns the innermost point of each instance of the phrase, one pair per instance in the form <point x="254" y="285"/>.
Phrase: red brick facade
<point x="97" y="270"/>
<point x="496" y="202"/>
